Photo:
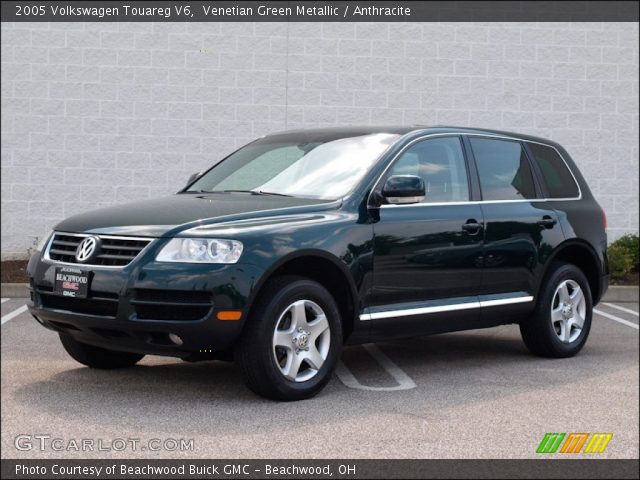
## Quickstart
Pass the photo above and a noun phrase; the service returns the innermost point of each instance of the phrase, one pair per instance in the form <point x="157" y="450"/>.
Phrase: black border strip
<point x="339" y="469"/>
<point x="340" y="11"/>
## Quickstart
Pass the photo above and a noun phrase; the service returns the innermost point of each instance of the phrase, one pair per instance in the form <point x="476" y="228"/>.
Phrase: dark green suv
<point x="302" y="241"/>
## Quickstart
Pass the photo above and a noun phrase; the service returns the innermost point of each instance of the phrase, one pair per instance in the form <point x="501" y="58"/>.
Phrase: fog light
<point x="175" y="339"/>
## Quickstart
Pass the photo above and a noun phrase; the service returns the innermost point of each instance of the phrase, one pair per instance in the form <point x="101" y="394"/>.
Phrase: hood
<point x="157" y="217"/>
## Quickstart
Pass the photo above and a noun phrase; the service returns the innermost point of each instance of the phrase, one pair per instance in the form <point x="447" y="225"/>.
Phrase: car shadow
<point x="449" y="370"/>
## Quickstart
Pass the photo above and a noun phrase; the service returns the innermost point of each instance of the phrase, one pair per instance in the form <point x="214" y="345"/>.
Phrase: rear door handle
<point x="472" y="227"/>
<point x="547" y="222"/>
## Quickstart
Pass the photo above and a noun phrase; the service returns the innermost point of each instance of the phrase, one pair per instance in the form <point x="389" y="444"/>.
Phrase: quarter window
<point x="503" y="168"/>
<point x="440" y="162"/>
<point x="555" y="173"/>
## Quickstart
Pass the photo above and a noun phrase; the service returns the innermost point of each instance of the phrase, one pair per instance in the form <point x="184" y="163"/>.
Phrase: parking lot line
<point x="617" y="319"/>
<point x="622" y="309"/>
<point x="349" y="380"/>
<point x="394" y="370"/>
<point x="4" y="300"/>
<point x="13" y="314"/>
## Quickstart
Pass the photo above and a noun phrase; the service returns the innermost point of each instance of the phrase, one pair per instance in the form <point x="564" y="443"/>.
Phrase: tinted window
<point x="503" y="168"/>
<point x="440" y="163"/>
<point x="556" y="175"/>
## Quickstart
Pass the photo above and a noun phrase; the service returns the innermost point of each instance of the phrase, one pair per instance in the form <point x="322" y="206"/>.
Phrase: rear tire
<point x="560" y="325"/>
<point x="292" y="340"/>
<point x="96" y="357"/>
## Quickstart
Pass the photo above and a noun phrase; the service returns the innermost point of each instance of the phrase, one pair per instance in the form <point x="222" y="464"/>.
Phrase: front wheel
<point x="292" y="340"/>
<point x="560" y="325"/>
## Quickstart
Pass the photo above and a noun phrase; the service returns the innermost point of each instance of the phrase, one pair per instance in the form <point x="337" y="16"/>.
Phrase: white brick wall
<point x="96" y="114"/>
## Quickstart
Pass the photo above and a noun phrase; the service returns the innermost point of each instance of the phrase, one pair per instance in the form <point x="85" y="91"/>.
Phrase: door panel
<point x="427" y="269"/>
<point x="518" y="241"/>
<point x="428" y="256"/>
<point x="423" y="253"/>
<point x="519" y="230"/>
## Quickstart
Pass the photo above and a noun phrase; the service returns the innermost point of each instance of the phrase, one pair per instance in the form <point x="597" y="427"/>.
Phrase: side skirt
<point x="445" y="315"/>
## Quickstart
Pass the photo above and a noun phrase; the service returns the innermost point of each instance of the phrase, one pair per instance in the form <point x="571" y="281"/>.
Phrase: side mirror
<point x="192" y="178"/>
<point x="402" y="189"/>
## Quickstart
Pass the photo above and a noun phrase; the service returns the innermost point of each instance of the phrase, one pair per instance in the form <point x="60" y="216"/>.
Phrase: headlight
<point x="200" y="250"/>
<point x="43" y="241"/>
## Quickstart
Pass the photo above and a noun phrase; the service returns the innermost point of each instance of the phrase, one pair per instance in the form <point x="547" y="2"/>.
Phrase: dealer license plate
<point x="71" y="282"/>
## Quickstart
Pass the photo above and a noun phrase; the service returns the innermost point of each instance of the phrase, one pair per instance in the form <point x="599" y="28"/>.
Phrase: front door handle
<point x="547" y="222"/>
<point x="472" y="227"/>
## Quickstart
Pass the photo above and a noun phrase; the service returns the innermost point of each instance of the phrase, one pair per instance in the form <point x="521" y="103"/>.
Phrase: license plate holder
<point x="71" y="282"/>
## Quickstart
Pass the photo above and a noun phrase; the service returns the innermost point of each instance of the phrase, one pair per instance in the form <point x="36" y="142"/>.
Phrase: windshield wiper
<point x="224" y="191"/>
<point x="262" y="192"/>
<point x="252" y="192"/>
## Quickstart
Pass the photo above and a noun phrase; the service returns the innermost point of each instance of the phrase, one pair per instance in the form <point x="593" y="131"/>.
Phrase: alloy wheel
<point x="301" y="340"/>
<point x="568" y="311"/>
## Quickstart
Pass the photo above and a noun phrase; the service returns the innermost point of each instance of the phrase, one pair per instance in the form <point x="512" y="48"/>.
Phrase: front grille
<point x="113" y="251"/>
<point x="171" y="305"/>
<point x="104" y="307"/>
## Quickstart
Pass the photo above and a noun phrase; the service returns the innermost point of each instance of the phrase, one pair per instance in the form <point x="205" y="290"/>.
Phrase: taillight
<point x="604" y="219"/>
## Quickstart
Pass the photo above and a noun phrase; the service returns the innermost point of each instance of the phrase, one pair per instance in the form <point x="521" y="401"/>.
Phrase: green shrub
<point x="631" y="244"/>
<point x="620" y="261"/>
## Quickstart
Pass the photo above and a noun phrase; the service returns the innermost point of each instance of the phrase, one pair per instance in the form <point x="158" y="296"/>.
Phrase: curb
<point x="622" y="293"/>
<point x="614" y="294"/>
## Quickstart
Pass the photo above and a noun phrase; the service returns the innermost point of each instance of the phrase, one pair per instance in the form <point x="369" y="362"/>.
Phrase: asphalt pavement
<point x="476" y="394"/>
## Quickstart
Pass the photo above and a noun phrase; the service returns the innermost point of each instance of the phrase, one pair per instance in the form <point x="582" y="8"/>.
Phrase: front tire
<point x="96" y="357"/>
<point x="561" y="322"/>
<point x="292" y="341"/>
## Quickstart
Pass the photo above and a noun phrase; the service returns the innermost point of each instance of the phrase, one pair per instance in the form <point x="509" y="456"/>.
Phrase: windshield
<point x="315" y="169"/>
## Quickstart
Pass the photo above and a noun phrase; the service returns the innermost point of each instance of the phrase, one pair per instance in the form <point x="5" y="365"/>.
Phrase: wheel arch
<point x="322" y="267"/>
<point x="583" y="256"/>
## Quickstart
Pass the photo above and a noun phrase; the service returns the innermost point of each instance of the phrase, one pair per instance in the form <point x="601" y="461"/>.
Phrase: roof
<point x="331" y="133"/>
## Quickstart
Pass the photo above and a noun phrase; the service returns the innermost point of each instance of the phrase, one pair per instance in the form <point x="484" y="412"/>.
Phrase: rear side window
<point x="503" y="168"/>
<point x="555" y="173"/>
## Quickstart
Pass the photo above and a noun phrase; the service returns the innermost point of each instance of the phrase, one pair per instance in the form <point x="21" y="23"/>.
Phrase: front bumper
<point x="137" y="307"/>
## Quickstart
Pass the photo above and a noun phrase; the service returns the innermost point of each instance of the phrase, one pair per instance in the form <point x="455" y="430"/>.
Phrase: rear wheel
<point x="96" y="357"/>
<point x="560" y="325"/>
<point x="292" y="340"/>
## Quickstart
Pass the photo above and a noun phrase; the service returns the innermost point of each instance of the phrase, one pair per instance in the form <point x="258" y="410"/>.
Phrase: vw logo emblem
<point x="86" y="249"/>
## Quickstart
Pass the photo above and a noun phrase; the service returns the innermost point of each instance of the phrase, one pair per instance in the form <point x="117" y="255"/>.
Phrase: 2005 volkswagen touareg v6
<point x="302" y="241"/>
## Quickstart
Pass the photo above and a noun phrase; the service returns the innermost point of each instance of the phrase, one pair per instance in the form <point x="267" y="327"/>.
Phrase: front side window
<point x="440" y="162"/>
<point x="503" y="168"/>
<point x="555" y="173"/>
<point x="302" y="167"/>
